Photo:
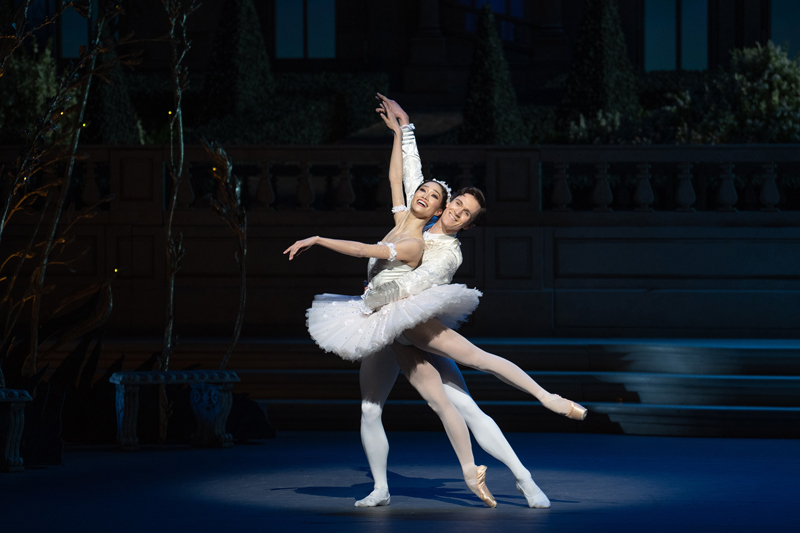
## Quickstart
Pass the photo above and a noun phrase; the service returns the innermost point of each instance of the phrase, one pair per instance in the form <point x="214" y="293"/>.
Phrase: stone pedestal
<point x="211" y="405"/>
<point x="211" y="400"/>
<point x="12" y="422"/>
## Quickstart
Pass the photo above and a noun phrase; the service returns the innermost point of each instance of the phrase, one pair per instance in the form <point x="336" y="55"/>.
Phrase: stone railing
<point x="589" y="240"/>
<point x="544" y="178"/>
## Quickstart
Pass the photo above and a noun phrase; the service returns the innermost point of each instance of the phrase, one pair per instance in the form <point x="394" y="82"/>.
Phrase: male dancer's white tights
<point x="441" y="384"/>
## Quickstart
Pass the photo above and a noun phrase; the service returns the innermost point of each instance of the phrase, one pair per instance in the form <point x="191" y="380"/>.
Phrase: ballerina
<point x="348" y="327"/>
<point x="429" y="373"/>
<point x="345" y="326"/>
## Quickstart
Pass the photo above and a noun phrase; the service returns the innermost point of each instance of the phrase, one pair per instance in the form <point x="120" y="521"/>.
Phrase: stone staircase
<point x="686" y="387"/>
<point x="641" y="387"/>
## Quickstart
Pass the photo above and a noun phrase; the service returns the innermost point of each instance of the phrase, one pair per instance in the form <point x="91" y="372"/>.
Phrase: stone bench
<point x="12" y="422"/>
<point x="211" y="400"/>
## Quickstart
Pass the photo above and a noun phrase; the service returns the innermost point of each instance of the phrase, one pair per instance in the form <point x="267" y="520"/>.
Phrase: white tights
<point x="441" y="384"/>
<point x="433" y="336"/>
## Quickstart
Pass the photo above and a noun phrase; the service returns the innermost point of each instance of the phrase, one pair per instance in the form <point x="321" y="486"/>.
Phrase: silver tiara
<point x="445" y="187"/>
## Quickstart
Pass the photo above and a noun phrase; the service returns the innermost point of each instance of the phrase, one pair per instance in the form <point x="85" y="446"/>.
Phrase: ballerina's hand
<point x="300" y="246"/>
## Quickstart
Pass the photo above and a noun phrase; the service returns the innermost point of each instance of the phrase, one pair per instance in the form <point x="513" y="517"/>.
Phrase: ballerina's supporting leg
<point x="486" y="431"/>
<point x="426" y="380"/>
<point x="377" y="376"/>
<point x="433" y="336"/>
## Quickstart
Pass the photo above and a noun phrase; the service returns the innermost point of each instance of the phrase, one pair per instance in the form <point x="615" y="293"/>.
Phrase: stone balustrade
<point x="599" y="179"/>
<point x="586" y="240"/>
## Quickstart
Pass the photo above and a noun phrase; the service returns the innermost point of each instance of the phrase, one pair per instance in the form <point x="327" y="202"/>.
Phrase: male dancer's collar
<point x="439" y="238"/>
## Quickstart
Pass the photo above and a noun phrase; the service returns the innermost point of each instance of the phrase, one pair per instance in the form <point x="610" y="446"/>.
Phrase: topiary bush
<point x="601" y="78"/>
<point x="239" y="81"/>
<point x="491" y="114"/>
<point x="111" y="116"/>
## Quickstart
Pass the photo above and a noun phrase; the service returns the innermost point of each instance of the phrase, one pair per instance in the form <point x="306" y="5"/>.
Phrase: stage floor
<point x="308" y="481"/>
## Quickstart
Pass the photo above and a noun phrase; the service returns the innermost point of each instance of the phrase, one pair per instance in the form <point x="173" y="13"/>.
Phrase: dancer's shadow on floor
<point x="412" y="487"/>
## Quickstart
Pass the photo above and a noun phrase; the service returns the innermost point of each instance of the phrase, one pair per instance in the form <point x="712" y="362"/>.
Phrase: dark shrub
<point x="491" y="113"/>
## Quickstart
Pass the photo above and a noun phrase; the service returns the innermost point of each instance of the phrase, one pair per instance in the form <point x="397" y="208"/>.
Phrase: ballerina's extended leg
<point x="434" y="337"/>
<point x="486" y="431"/>
<point x="426" y="380"/>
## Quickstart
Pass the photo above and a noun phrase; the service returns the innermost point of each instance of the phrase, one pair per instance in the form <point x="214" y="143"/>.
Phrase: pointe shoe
<point x="483" y="490"/>
<point x="575" y="412"/>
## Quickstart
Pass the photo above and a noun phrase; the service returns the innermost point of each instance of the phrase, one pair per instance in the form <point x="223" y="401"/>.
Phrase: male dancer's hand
<point x="395" y="108"/>
<point x="389" y="118"/>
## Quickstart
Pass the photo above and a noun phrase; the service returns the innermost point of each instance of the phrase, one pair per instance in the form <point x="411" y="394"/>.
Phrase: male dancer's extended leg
<point x="433" y="336"/>
<point x="377" y="376"/>
<point x="485" y="429"/>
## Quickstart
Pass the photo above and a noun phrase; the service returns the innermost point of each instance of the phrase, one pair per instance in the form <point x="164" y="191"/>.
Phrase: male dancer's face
<point x="458" y="213"/>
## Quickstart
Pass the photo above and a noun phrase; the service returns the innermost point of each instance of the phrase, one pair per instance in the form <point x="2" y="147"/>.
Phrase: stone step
<point x="617" y="387"/>
<point x="630" y="419"/>
<point x="682" y="356"/>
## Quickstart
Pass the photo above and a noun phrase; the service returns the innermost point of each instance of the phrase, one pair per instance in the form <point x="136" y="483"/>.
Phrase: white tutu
<point x="337" y="323"/>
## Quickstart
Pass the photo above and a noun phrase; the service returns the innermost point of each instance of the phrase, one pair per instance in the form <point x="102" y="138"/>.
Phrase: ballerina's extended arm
<point x="405" y="250"/>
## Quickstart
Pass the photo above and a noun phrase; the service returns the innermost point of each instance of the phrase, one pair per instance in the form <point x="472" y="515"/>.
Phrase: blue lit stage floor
<point x="308" y="481"/>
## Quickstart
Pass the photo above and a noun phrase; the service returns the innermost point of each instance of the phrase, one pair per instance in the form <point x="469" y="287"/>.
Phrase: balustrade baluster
<point x="345" y="195"/>
<point x="602" y="195"/>
<point x="726" y="194"/>
<point x="265" y="194"/>
<point x="465" y="177"/>
<point x="684" y="193"/>
<point x="561" y="197"/>
<point x="643" y="196"/>
<point x="305" y="191"/>
<point x="90" y="194"/>
<point x="769" y="196"/>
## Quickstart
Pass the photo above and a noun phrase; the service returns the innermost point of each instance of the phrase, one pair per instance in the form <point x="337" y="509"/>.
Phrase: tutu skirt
<point x="337" y="323"/>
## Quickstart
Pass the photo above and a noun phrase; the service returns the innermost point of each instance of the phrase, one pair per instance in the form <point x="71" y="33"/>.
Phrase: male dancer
<point x="378" y="372"/>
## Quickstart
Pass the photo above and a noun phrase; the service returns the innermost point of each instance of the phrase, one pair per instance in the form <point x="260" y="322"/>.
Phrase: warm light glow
<point x="62" y="112"/>
<point x="115" y="270"/>
<point x="169" y="112"/>
<point x="214" y="169"/>
<point x="84" y="124"/>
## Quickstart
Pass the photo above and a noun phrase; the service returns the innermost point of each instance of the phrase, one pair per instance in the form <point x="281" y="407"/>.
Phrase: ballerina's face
<point x="429" y="200"/>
